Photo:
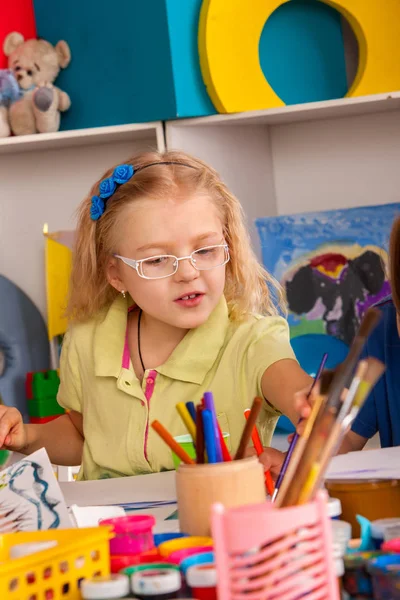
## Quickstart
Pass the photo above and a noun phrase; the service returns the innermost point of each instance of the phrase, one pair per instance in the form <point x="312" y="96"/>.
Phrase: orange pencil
<point x="269" y="484"/>
<point x="169" y="440"/>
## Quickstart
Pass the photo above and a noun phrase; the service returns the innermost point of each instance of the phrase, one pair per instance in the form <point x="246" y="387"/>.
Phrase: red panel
<point x="15" y="15"/>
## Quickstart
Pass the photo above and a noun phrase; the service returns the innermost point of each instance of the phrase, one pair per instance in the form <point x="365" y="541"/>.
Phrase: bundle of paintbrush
<point x="202" y="424"/>
<point x="333" y="411"/>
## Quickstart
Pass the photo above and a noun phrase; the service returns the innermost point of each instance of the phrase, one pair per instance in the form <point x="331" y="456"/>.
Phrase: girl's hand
<point x="12" y="429"/>
<point x="271" y="459"/>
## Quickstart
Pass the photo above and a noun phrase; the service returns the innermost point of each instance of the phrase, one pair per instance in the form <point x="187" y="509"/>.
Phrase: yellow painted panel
<point x="58" y="270"/>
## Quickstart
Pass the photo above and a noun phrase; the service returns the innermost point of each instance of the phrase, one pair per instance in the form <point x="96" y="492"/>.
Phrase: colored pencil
<point x="200" y="435"/>
<point x="296" y="435"/>
<point x="225" y="452"/>
<point x="269" y="484"/>
<point x="187" y="420"/>
<point x="209" y="435"/>
<point x="248" y="428"/>
<point x="169" y="440"/>
<point x="209" y="404"/>
<point x="192" y="411"/>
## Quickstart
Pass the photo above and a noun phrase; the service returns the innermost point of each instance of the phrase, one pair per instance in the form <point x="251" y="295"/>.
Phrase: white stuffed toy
<point x="29" y="103"/>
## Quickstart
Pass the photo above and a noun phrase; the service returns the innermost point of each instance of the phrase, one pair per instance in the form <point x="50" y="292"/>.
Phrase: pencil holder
<point x="268" y="553"/>
<point x="198" y="487"/>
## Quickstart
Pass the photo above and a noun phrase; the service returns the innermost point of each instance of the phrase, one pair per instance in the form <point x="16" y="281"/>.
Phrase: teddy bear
<point x="29" y="103"/>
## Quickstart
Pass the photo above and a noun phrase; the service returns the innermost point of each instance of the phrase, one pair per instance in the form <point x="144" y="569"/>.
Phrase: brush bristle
<point x="326" y="381"/>
<point x="369" y="321"/>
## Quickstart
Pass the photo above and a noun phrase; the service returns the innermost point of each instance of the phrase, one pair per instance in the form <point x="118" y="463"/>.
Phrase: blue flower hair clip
<point x="107" y="187"/>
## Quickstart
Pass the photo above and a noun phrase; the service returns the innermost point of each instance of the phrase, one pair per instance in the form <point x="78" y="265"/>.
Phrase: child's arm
<point x="62" y="438"/>
<point x="352" y="442"/>
<point x="280" y="384"/>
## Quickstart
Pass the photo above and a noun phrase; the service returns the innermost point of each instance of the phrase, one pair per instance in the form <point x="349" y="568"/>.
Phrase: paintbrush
<point x="367" y="374"/>
<point x="319" y="396"/>
<point x="199" y="435"/>
<point x="248" y="428"/>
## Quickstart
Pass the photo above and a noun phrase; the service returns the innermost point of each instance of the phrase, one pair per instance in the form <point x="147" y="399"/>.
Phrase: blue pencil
<point x="209" y="435"/>
<point x="209" y="404"/>
<point x="192" y="410"/>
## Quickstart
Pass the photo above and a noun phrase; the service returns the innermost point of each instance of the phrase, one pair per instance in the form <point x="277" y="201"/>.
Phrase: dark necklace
<point x="138" y="340"/>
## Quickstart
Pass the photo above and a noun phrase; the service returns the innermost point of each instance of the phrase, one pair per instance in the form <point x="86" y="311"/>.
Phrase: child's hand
<point x="12" y="429"/>
<point x="271" y="460"/>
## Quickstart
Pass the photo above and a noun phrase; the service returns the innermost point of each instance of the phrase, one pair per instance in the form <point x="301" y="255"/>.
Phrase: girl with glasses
<point x="167" y="301"/>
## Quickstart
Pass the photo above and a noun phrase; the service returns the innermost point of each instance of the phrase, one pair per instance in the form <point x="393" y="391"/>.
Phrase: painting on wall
<point x="332" y="265"/>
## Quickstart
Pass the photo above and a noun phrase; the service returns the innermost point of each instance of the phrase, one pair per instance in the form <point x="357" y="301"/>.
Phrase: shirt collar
<point x="190" y="361"/>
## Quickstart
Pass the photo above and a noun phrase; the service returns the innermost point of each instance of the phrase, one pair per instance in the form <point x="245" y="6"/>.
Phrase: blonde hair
<point x="248" y="286"/>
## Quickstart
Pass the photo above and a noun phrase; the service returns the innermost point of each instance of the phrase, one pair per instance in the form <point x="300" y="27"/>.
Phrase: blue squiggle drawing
<point x="41" y="499"/>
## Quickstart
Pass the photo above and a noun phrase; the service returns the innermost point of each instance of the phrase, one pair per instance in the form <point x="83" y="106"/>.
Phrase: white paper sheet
<point x="152" y="490"/>
<point x="30" y="497"/>
<point x="383" y="463"/>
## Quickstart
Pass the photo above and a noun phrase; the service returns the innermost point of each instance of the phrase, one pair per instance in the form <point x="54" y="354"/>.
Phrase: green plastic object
<point x="44" y="408"/>
<point x="4" y="454"/>
<point x="45" y="385"/>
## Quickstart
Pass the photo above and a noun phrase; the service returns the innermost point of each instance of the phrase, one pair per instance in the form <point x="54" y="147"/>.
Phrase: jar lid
<point x="160" y="538"/>
<point x="379" y="527"/>
<point x="179" y="555"/>
<point x="133" y="524"/>
<point x="167" y="548"/>
<point x="203" y="558"/>
<point x="155" y="582"/>
<point x="20" y="550"/>
<point x="99" y="588"/>
<point x="121" y="561"/>
<point x="334" y="507"/>
<point x="201" y="576"/>
<point x="163" y="566"/>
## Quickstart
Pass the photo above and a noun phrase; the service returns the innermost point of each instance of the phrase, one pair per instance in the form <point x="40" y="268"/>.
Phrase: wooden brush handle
<point x="248" y="429"/>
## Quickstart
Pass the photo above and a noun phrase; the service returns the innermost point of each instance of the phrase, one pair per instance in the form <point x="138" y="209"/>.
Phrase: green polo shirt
<point x="221" y="356"/>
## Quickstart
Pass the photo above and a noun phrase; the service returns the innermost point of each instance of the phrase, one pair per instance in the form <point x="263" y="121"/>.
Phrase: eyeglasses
<point x="165" y="265"/>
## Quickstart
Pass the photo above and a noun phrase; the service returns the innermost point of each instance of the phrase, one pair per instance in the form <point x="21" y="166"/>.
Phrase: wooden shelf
<point x="312" y="111"/>
<point x="83" y="137"/>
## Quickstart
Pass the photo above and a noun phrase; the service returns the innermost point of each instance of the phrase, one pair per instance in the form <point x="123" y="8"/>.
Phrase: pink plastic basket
<point x="264" y="553"/>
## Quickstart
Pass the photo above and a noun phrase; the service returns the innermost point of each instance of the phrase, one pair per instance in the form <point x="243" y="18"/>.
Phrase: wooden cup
<point x="232" y="483"/>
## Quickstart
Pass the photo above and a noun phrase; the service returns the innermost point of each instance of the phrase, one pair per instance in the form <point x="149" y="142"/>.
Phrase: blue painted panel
<point x="121" y="69"/>
<point x="302" y="53"/>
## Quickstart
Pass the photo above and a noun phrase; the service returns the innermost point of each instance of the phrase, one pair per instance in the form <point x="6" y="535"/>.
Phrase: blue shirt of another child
<point x="381" y="411"/>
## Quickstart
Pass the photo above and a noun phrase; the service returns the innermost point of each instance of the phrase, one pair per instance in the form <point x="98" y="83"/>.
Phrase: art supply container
<point x="193" y="541"/>
<point x="392" y="546"/>
<point x="373" y="499"/>
<point x="356" y="579"/>
<point x="133" y="534"/>
<point x="385" y="573"/>
<point x="334" y="508"/>
<point x="156" y="584"/>
<point x="106" y="588"/>
<point x="186" y="442"/>
<point x="179" y="555"/>
<point x="160" y="538"/>
<point x="203" y="558"/>
<point x="383" y="530"/>
<point x="120" y="562"/>
<point x="274" y="553"/>
<point x="202" y="580"/>
<point x="341" y="532"/>
<point x="234" y="483"/>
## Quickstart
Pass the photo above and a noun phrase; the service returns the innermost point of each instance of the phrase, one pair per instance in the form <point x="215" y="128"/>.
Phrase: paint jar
<point x="334" y="508"/>
<point x="160" y="538"/>
<point x="383" y="530"/>
<point x="392" y="546"/>
<point x="179" y="555"/>
<point x="198" y="487"/>
<point x="202" y="580"/>
<point x="193" y="541"/>
<point x="133" y="534"/>
<point x="385" y="573"/>
<point x="113" y="587"/>
<point x="118" y="562"/>
<point x="373" y="499"/>
<point x="203" y="558"/>
<point x="356" y="579"/>
<point x="341" y="533"/>
<point x="156" y="584"/>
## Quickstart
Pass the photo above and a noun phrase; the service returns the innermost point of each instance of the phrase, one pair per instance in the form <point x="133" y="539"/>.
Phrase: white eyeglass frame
<point x="137" y="264"/>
